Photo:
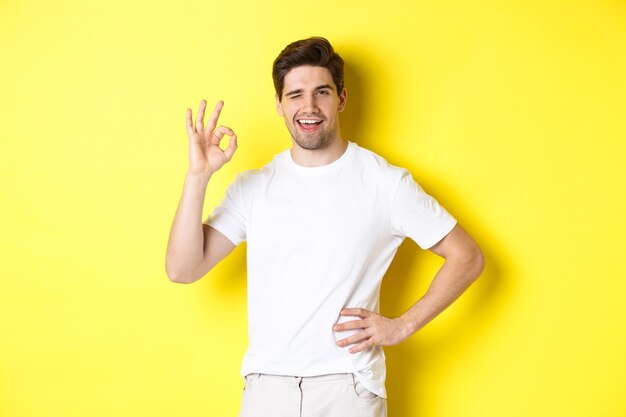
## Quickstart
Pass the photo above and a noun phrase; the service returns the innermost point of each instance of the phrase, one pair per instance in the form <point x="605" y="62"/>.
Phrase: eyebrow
<point x="300" y="90"/>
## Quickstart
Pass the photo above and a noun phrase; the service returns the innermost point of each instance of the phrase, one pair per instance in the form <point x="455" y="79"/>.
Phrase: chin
<point x="311" y="146"/>
<point x="313" y="143"/>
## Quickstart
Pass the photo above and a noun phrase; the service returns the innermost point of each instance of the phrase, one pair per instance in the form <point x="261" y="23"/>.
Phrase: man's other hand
<point x="375" y="330"/>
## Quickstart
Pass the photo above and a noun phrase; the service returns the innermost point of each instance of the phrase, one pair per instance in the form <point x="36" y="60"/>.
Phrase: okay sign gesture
<point x="205" y="154"/>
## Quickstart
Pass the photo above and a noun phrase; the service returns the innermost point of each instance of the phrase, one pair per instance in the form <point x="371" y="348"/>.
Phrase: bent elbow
<point x="176" y="276"/>
<point x="186" y="276"/>
<point x="478" y="263"/>
<point x="173" y="277"/>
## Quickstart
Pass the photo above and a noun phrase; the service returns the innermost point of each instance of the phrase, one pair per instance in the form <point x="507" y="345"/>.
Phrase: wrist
<point x="198" y="177"/>
<point x="408" y="326"/>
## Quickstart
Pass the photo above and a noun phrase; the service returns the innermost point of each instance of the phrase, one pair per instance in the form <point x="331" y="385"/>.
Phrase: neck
<point x="318" y="157"/>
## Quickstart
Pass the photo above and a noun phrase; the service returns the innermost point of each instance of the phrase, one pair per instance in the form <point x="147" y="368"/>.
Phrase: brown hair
<point x="315" y="51"/>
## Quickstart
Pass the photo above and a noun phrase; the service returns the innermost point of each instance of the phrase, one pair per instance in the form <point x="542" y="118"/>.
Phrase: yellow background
<point x="511" y="113"/>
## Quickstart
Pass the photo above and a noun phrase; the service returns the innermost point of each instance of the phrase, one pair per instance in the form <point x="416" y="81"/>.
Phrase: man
<point x="323" y="221"/>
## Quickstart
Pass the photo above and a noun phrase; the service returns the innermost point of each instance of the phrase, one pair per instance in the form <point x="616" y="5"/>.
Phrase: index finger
<point x="359" y="312"/>
<point x="212" y="122"/>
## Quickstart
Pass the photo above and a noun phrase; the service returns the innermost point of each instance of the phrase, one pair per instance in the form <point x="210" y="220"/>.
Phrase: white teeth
<point x="309" y="122"/>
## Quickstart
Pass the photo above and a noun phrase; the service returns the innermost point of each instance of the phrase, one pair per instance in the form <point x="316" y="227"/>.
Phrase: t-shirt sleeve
<point x="417" y="215"/>
<point x="228" y="217"/>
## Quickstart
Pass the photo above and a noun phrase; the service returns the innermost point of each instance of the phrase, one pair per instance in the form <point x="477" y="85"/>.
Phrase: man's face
<point x="311" y="106"/>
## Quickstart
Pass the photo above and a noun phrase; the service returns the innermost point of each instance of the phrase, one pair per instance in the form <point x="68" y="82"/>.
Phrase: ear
<point x="343" y="97"/>
<point x="279" y="108"/>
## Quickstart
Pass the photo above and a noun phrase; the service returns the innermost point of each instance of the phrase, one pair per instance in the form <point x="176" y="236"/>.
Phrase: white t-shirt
<point x="320" y="239"/>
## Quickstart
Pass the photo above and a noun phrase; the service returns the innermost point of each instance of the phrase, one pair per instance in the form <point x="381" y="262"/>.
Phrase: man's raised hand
<point x="205" y="154"/>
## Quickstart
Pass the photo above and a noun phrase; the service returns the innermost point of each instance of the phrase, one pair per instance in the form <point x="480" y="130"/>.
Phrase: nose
<point x="310" y="104"/>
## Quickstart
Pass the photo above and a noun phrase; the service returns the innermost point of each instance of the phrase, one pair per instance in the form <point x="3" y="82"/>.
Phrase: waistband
<point x="348" y="378"/>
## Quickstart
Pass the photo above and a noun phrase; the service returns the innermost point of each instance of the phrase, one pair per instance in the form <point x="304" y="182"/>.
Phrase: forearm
<point x="452" y="279"/>
<point x="185" y="245"/>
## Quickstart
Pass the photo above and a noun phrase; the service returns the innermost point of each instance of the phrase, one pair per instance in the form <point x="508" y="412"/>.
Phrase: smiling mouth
<point x="309" y="122"/>
<point x="309" y="125"/>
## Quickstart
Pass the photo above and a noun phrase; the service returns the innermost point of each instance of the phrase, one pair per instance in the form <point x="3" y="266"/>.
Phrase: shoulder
<point x="251" y="178"/>
<point x="373" y="163"/>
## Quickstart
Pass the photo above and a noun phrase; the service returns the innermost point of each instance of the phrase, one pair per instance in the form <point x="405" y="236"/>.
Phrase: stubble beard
<point x="318" y="140"/>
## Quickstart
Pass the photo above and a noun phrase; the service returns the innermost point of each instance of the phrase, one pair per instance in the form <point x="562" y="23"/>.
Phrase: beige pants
<point x="336" y="395"/>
